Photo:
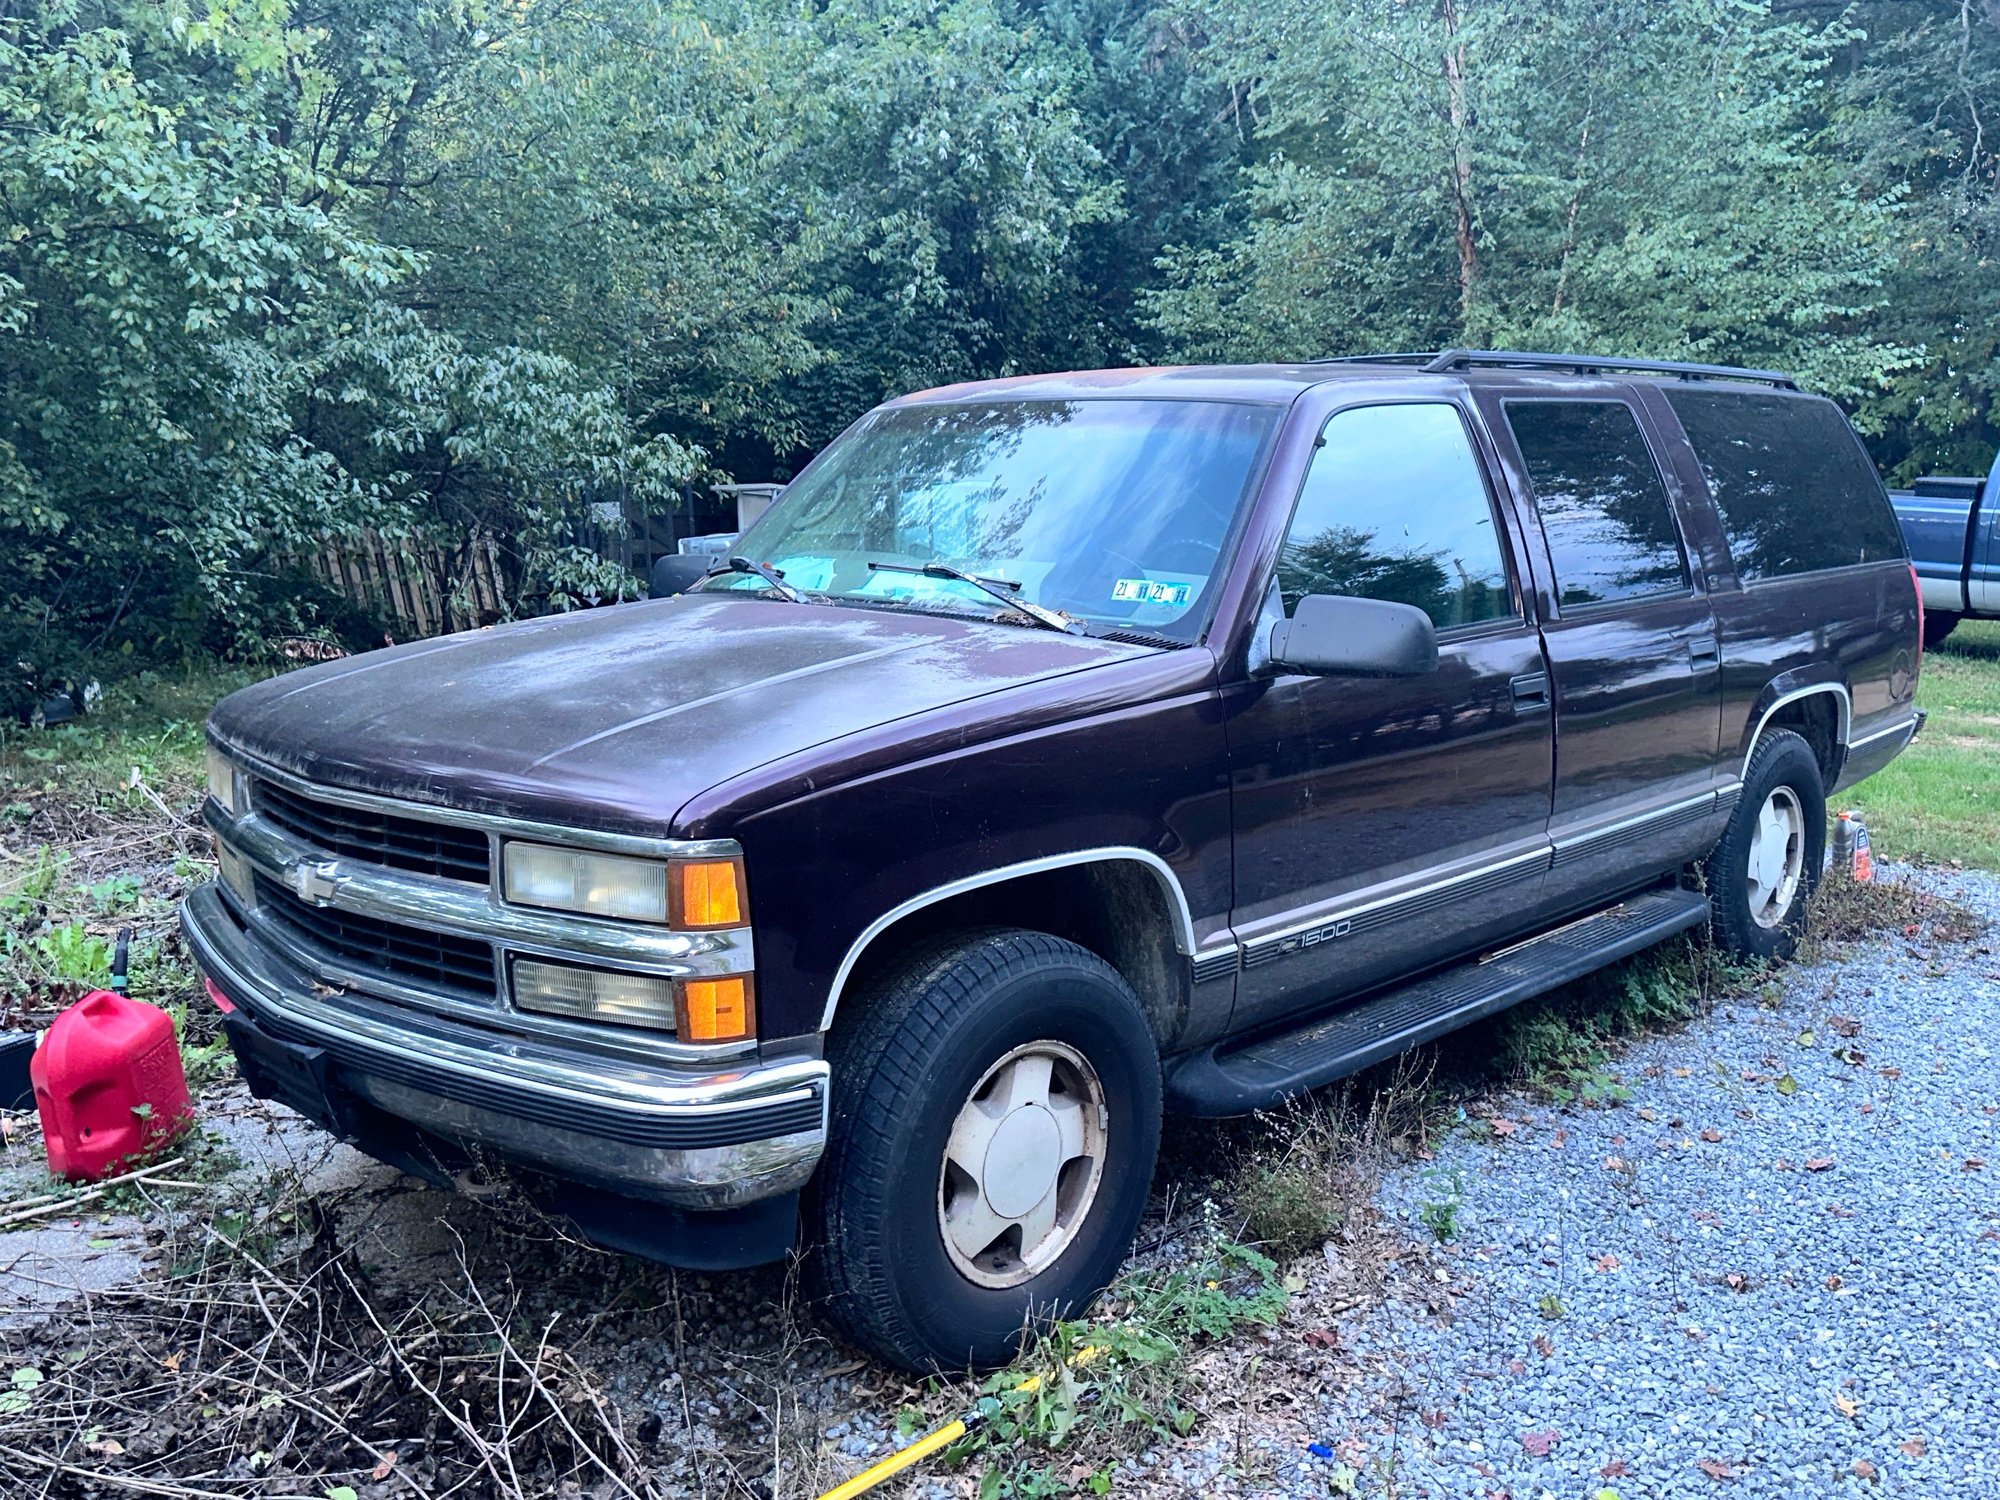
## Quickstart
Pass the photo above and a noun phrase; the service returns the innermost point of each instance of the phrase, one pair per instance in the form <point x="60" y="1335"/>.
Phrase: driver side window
<point x="1394" y="507"/>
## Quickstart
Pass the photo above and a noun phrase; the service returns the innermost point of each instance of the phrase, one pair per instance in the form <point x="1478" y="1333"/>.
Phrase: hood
<point x="614" y="718"/>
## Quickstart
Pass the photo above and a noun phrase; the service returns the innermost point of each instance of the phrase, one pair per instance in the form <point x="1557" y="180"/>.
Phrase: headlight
<point x="225" y="782"/>
<point x="691" y="894"/>
<point x="604" y="885"/>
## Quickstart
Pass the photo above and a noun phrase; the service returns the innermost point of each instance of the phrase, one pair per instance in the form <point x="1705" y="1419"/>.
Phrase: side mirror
<point x="678" y="572"/>
<point x="1332" y="634"/>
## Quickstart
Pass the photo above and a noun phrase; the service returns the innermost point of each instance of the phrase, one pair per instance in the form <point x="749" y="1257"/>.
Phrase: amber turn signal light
<point x="716" y="1010"/>
<point x="707" y="893"/>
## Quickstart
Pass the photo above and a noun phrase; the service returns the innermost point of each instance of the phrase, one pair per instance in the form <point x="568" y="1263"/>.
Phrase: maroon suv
<point x="1058" y="751"/>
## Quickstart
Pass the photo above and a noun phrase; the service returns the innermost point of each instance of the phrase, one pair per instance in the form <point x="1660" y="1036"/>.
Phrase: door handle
<point x="1704" y="656"/>
<point x="1531" y="692"/>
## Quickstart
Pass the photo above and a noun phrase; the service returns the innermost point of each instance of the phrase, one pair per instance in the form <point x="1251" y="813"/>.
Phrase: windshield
<point x="1113" y="512"/>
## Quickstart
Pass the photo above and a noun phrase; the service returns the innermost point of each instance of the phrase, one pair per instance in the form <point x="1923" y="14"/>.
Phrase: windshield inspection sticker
<point x="1152" y="591"/>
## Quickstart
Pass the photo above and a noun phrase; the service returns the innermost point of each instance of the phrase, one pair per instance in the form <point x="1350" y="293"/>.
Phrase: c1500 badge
<point x="1313" y="937"/>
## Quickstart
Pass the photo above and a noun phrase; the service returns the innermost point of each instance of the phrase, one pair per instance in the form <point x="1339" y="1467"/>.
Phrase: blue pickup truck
<point x="1952" y="526"/>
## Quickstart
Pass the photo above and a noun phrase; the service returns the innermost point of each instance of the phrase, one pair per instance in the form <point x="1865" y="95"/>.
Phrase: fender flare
<point x="1182" y="917"/>
<point x="1791" y="687"/>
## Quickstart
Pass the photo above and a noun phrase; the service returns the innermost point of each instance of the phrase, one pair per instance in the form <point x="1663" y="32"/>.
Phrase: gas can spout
<point x="121" y="961"/>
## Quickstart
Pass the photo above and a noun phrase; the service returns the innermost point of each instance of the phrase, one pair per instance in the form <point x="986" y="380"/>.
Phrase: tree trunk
<point x="1461" y="159"/>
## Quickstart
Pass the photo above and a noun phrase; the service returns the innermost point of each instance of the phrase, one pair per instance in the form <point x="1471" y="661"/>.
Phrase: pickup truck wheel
<point x="1767" y="863"/>
<point x="996" y="1114"/>
<point x="1937" y="625"/>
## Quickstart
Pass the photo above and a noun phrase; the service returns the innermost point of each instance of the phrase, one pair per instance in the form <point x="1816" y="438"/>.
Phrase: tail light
<point x="1917" y="584"/>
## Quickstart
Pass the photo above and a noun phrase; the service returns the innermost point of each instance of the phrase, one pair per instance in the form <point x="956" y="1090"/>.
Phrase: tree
<point x="1617" y="177"/>
<point x="207" y="363"/>
<point x="1920" y="121"/>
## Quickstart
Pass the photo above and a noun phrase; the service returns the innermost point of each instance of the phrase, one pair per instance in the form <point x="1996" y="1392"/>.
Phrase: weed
<point x="1285" y="1207"/>
<point x="1312" y="1172"/>
<point x="1845" y="911"/>
<point x="204" y="1049"/>
<point x="74" y="954"/>
<point x="24" y="899"/>
<point x="1091" y="1391"/>
<point x="1551" y="1307"/>
<point x="1444" y="1196"/>
<point x="1564" y="1044"/>
<point x="115" y="894"/>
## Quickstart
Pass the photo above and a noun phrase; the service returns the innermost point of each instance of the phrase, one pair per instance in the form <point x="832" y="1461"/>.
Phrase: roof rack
<point x="1440" y="361"/>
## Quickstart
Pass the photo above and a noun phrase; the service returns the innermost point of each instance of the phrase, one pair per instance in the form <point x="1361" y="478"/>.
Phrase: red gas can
<point x="109" y="1086"/>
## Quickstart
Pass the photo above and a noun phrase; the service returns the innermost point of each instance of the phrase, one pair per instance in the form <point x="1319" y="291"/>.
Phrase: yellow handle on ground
<point x="944" y="1437"/>
<point x="896" y="1462"/>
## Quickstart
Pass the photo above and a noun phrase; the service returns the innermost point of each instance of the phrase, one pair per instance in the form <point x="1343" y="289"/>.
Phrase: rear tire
<point x="1937" y="625"/>
<point x="996" y="1115"/>
<point x="1764" y="869"/>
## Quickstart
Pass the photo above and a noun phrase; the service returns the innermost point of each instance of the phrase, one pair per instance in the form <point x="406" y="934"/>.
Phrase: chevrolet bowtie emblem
<point x="316" y="883"/>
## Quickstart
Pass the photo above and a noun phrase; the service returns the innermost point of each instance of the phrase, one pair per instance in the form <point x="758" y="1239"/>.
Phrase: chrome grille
<point x="380" y="838"/>
<point x="440" y="960"/>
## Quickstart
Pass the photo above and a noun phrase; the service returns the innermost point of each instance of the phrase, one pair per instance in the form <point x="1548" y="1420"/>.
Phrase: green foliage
<point x="1633" y="178"/>
<point x="268" y="275"/>
<point x="69" y="952"/>
<point x="1444" y="1196"/>
<point x="1090" y="1392"/>
<point x="1913" y="115"/>
<point x="1564" y="1045"/>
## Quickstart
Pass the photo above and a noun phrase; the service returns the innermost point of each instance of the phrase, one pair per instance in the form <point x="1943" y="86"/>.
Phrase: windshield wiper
<point x="1004" y="589"/>
<point x="771" y="576"/>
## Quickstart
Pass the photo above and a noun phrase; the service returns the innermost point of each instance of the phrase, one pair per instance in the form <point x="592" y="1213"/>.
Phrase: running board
<point x="1237" y="1076"/>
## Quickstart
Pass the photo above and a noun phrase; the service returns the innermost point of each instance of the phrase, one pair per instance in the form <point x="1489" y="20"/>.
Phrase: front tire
<point x="996" y="1116"/>
<point x="1766" y="866"/>
<point x="1937" y="625"/>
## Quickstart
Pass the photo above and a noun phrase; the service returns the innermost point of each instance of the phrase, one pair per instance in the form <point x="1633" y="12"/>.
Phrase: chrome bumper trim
<point x="697" y="1139"/>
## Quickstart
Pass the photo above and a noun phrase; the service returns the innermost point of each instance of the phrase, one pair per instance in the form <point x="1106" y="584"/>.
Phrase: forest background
<point x="272" y="273"/>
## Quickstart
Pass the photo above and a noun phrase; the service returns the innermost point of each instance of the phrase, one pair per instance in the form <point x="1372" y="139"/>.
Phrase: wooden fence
<point x="420" y="589"/>
<point x="423" y="589"/>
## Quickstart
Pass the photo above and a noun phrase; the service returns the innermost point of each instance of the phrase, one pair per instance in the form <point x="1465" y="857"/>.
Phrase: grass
<point x="100" y="833"/>
<point x="1940" y="800"/>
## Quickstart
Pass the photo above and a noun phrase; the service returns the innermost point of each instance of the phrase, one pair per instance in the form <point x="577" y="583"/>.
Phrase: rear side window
<point x="1394" y="507"/>
<point x="1610" y="530"/>
<point x="1795" y="490"/>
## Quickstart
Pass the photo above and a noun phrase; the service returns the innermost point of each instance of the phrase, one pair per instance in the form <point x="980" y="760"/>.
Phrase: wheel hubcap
<point x="1777" y="857"/>
<point x="1022" y="1164"/>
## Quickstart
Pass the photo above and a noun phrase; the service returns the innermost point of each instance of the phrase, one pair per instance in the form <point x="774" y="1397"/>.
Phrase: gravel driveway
<point x="1774" y="1271"/>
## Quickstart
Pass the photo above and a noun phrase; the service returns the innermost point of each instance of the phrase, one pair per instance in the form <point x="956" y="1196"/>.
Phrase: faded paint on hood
<point x="614" y="718"/>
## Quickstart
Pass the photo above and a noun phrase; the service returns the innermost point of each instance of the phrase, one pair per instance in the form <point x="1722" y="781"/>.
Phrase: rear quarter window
<point x="1610" y="529"/>
<point x="1794" y="488"/>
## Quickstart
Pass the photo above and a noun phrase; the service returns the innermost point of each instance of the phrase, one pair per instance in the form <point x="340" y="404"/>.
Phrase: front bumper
<point x="677" y="1135"/>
